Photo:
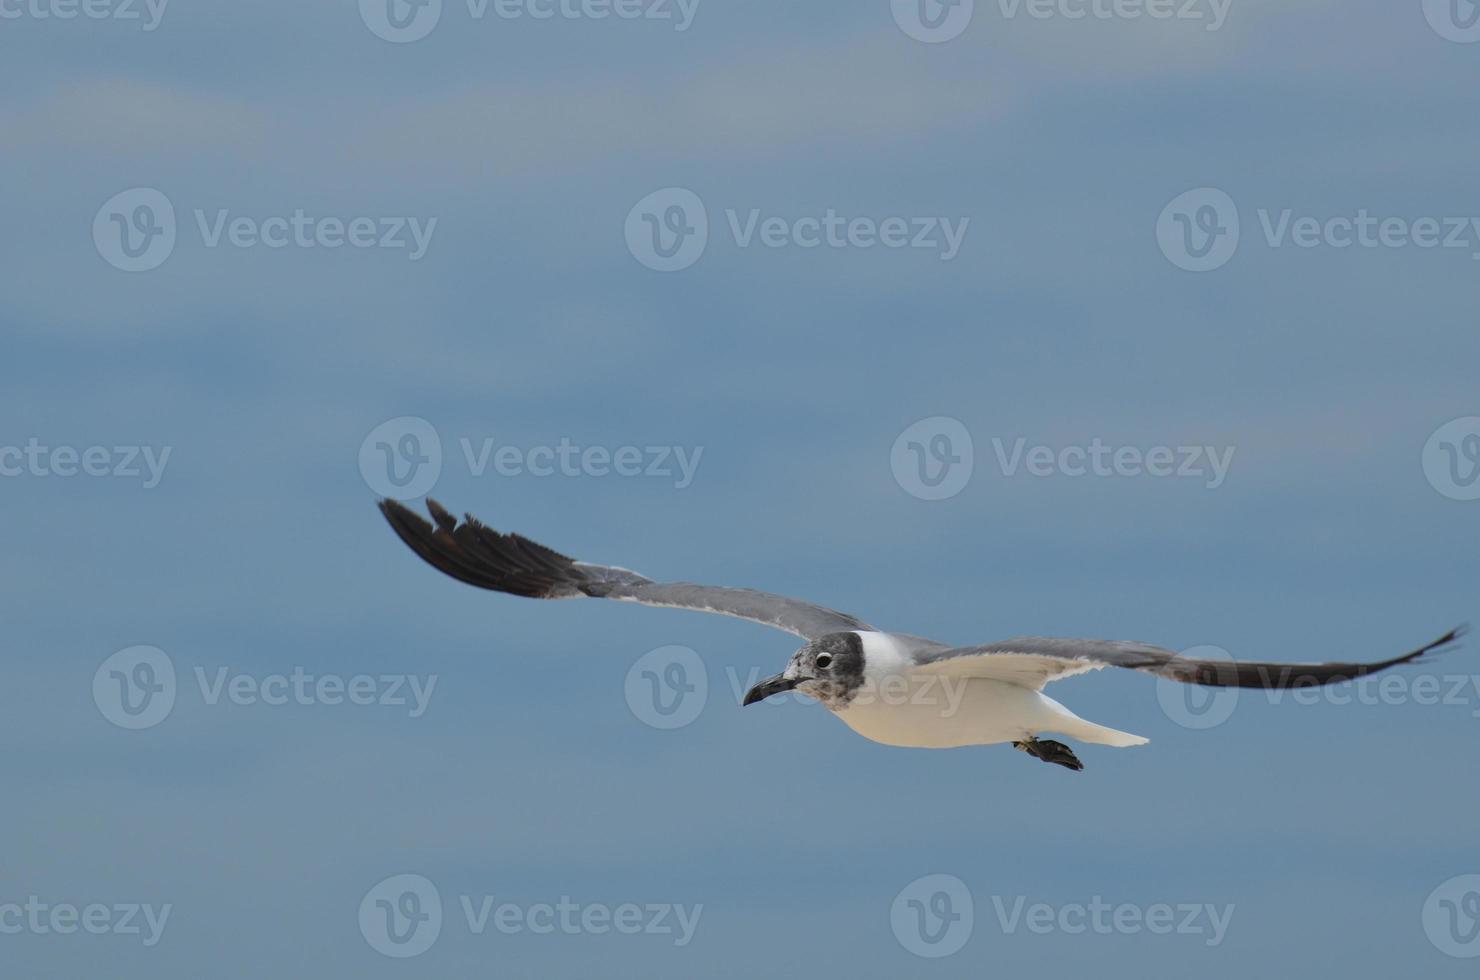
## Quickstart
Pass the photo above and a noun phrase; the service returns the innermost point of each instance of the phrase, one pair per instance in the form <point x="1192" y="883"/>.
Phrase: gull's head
<point x="830" y="669"/>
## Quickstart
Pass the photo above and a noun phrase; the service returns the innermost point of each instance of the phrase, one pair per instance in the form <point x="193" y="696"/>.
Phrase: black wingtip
<point x="443" y="516"/>
<point x="1449" y="641"/>
<point x="398" y="514"/>
<point x="474" y="553"/>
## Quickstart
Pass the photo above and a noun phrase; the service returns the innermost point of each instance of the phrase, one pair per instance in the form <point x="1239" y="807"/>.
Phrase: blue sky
<point x="1332" y="834"/>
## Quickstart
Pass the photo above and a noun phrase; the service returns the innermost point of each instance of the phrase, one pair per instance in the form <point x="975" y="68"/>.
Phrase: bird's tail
<point x="1066" y="722"/>
<point x="1100" y="735"/>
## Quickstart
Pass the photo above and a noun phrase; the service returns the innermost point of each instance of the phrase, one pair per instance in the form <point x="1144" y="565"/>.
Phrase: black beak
<point x="771" y="685"/>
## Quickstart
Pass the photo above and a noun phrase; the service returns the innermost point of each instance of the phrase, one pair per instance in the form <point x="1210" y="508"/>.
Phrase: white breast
<point x="899" y="706"/>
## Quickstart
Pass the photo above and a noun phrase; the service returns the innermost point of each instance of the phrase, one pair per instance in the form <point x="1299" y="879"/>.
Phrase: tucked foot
<point x="1056" y="752"/>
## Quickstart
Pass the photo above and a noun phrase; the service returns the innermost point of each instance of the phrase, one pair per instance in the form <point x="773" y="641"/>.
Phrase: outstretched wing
<point x="478" y="555"/>
<point x="1033" y="661"/>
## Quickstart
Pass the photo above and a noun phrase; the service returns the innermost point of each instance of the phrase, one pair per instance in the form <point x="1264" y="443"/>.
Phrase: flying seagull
<point x="888" y="687"/>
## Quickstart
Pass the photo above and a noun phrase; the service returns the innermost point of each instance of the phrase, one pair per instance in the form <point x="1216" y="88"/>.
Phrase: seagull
<point x="891" y="688"/>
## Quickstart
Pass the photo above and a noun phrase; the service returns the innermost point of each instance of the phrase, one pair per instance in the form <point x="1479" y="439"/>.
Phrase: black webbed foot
<point x="1049" y="751"/>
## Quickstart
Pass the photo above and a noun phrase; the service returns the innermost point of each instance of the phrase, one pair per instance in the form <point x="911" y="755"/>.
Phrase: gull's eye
<point x="824" y="661"/>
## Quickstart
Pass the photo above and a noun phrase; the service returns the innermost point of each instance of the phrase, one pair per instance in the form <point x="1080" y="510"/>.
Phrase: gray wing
<point x="1033" y="661"/>
<point x="478" y="555"/>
